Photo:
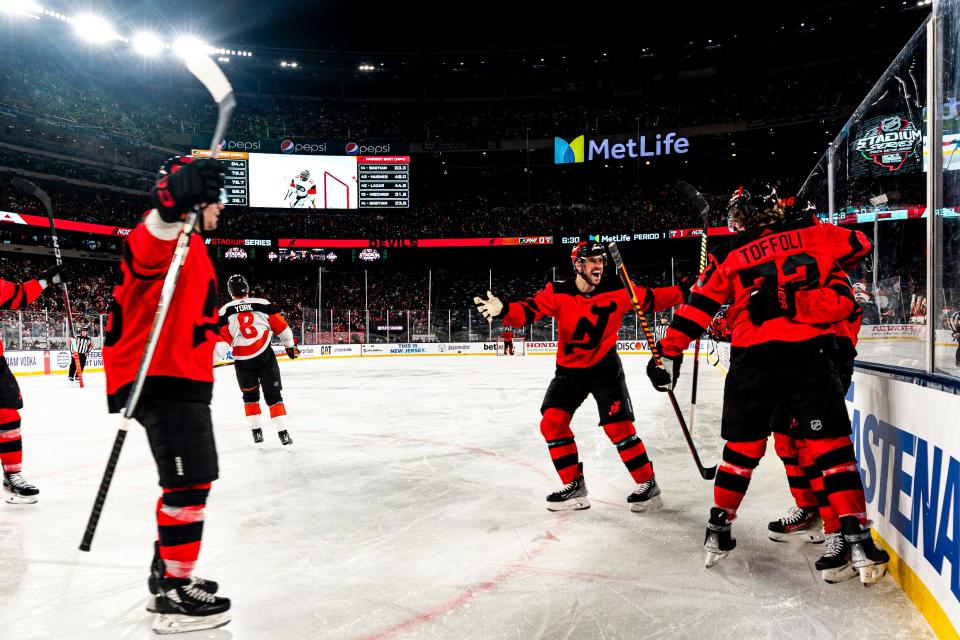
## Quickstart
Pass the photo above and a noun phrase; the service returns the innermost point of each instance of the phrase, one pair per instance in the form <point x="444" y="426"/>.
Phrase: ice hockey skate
<point x="834" y="565"/>
<point x="646" y="496"/>
<point x="799" y="524"/>
<point x="157" y="570"/>
<point x="183" y="606"/>
<point x="18" y="490"/>
<point x="718" y="541"/>
<point x="285" y="438"/>
<point x="866" y="558"/>
<point x="572" y="497"/>
<point x="257" y="435"/>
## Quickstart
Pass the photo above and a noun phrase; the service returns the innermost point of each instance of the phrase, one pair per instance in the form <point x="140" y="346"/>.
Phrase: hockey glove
<point x="664" y="377"/>
<point x="196" y="183"/>
<point x="768" y="303"/>
<point x="293" y="352"/>
<point x="52" y="275"/>
<point x="490" y="308"/>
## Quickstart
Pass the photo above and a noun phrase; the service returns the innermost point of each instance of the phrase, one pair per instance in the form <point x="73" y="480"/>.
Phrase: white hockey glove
<point x="490" y="308"/>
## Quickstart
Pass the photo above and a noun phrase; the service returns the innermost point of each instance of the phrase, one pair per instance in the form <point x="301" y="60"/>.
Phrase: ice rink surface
<point x="411" y="506"/>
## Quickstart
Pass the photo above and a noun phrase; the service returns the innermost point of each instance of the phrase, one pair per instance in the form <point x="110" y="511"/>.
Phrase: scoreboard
<point x="302" y="181"/>
<point x="384" y="181"/>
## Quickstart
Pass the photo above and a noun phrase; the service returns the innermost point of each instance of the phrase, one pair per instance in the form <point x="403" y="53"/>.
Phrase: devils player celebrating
<point x="507" y="336"/>
<point x="589" y="311"/>
<point x="302" y="192"/>
<point x="248" y="324"/>
<point x="779" y="357"/>
<point x="174" y="405"/>
<point x="16" y="296"/>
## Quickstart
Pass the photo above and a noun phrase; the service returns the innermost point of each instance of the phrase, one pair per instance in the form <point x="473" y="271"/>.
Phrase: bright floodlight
<point x="147" y="44"/>
<point x="94" y="28"/>
<point x="187" y="46"/>
<point x="20" y="8"/>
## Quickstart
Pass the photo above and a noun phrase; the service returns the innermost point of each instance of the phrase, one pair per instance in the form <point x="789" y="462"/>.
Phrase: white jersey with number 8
<point x="248" y="323"/>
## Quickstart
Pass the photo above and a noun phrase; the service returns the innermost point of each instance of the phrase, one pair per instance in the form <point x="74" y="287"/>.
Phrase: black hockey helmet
<point x="753" y="206"/>
<point x="305" y="174"/>
<point x="237" y="285"/>
<point x="583" y="249"/>
<point x="174" y="164"/>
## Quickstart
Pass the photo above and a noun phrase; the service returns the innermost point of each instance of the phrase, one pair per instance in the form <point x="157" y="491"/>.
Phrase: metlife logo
<point x="580" y="150"/>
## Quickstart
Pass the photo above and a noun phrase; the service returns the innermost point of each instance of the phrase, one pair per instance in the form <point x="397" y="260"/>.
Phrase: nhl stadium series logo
<point x="888" y="142"/>
<point x="567" y="152"/>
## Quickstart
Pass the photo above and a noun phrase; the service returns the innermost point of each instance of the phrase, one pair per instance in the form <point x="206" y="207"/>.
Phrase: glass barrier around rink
<point x="946" y="308"/>
<point x="872" y="179"/>
<point x="41" y="329"/>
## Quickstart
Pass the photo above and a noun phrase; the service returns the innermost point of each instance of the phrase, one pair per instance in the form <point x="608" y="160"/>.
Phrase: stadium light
<point x="186" y="46"/>
<point x="94" y="29"/>
<point x="147" y="44"/>
<point x="20" y="8"/>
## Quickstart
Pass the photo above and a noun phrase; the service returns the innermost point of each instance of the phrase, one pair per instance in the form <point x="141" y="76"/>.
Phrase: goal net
<point x="519" y="347"/>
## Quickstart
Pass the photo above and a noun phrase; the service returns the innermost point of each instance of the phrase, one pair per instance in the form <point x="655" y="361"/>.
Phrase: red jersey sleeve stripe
<point x="688" y="327"/>
<point x="707" y="305"/>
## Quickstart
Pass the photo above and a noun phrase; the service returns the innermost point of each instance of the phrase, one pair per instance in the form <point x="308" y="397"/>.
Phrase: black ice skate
<point x="718" y="541"/>
<point x="645" y="496"/>
<point x="573" y="495"/>
<point x="834" y="565"/>
<point x="257" y="435"/>
<point x="18" y="490"/>
<point x="158" y="568"/>
<point x="285" y="438"/>
<point x="800" y="523"/>
<point x="182" y="606"/>
<point x="870" y="561"/>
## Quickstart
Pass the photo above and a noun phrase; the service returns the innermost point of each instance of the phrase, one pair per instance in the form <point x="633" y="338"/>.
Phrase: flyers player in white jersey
<point x="248" y="324"/>
<point x="302" y="192"/>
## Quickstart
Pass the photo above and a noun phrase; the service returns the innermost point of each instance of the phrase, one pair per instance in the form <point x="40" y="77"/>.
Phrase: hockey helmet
<point x="237" y="285"/>
<point x="305" y="174"/>
<point x="753" y="206"/>
<point x="583" y="249"/>
<point x="174" y="164"/>
<point x="798" y="209"/>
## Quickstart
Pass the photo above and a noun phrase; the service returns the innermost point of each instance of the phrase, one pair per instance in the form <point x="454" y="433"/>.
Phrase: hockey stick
<point x="704" y="208"/>
<point x="209" y="74"/>
<point x="705" y="472"/>
<point x="41" y="195"/>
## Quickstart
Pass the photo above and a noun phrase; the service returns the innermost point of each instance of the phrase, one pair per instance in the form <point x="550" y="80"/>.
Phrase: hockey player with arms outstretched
<point x="302" y="192"/>
<point x="16" y="296"/>
<point x="174" y="406"/>
<point x="589" y="310"/>
<point x="248" y="324"/>
<point x="780" y="359"/>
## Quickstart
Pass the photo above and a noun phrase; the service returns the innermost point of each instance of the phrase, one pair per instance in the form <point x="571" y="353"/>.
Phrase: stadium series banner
<point x="886" y="145"/>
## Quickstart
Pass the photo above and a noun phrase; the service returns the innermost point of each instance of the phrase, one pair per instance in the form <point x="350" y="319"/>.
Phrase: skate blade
<point x="809" y="537"/>
<point x="179" y="623"/>
<point x="714" y="557"/>
<point x="151" y="603"/>
<point x="840" y="574"/>
<point x="872" y="573"/>
<point x="653" y="503"/>
<point x="15" y="499"/>
<point x="573" y="504"/>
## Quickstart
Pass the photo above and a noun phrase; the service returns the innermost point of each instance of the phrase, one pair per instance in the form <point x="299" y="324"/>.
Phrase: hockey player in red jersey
<point x="780" y="358"/>
<point x="247" y="324"/>
<point x="507" y="336"/>
<point x="174" y="406"/>
<point x="589" y="310"/>
<point x="16" y="296"/>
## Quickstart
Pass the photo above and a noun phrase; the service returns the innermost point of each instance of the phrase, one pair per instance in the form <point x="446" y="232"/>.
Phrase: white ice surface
<point x="411" y="506"/>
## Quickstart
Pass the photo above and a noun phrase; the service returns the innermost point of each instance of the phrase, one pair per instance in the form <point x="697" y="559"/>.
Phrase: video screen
<point x="302" y="182"/>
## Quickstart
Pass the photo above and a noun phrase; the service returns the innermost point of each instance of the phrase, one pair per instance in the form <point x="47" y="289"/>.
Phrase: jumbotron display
<point x="270" y="181"/>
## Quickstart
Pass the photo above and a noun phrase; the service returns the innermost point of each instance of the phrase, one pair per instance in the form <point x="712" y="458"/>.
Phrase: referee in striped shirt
<point x="81" y="346"/>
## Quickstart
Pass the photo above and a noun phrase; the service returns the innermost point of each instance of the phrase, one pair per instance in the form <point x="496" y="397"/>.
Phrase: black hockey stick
<point x="209" y="74"/>
<point x="704" y="208"/>
<point x="708" y="473"/>
<point x="41" y="195"/>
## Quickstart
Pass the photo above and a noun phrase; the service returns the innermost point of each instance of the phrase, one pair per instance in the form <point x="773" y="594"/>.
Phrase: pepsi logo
<point x="352" y="148"/>
<point x="286" y="146"/>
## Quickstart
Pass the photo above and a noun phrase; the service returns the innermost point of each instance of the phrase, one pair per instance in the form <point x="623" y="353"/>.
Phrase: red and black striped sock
<point x="835" y="459"/>
<point x="786" y="448"/>
<point x="180" y="514"/>
<point x="733" y="476"/>
<point x="11" y="448"/>
<point x="555" y="427"/>
<point x="831" y="524"/>
<point x="624" y="437"/>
